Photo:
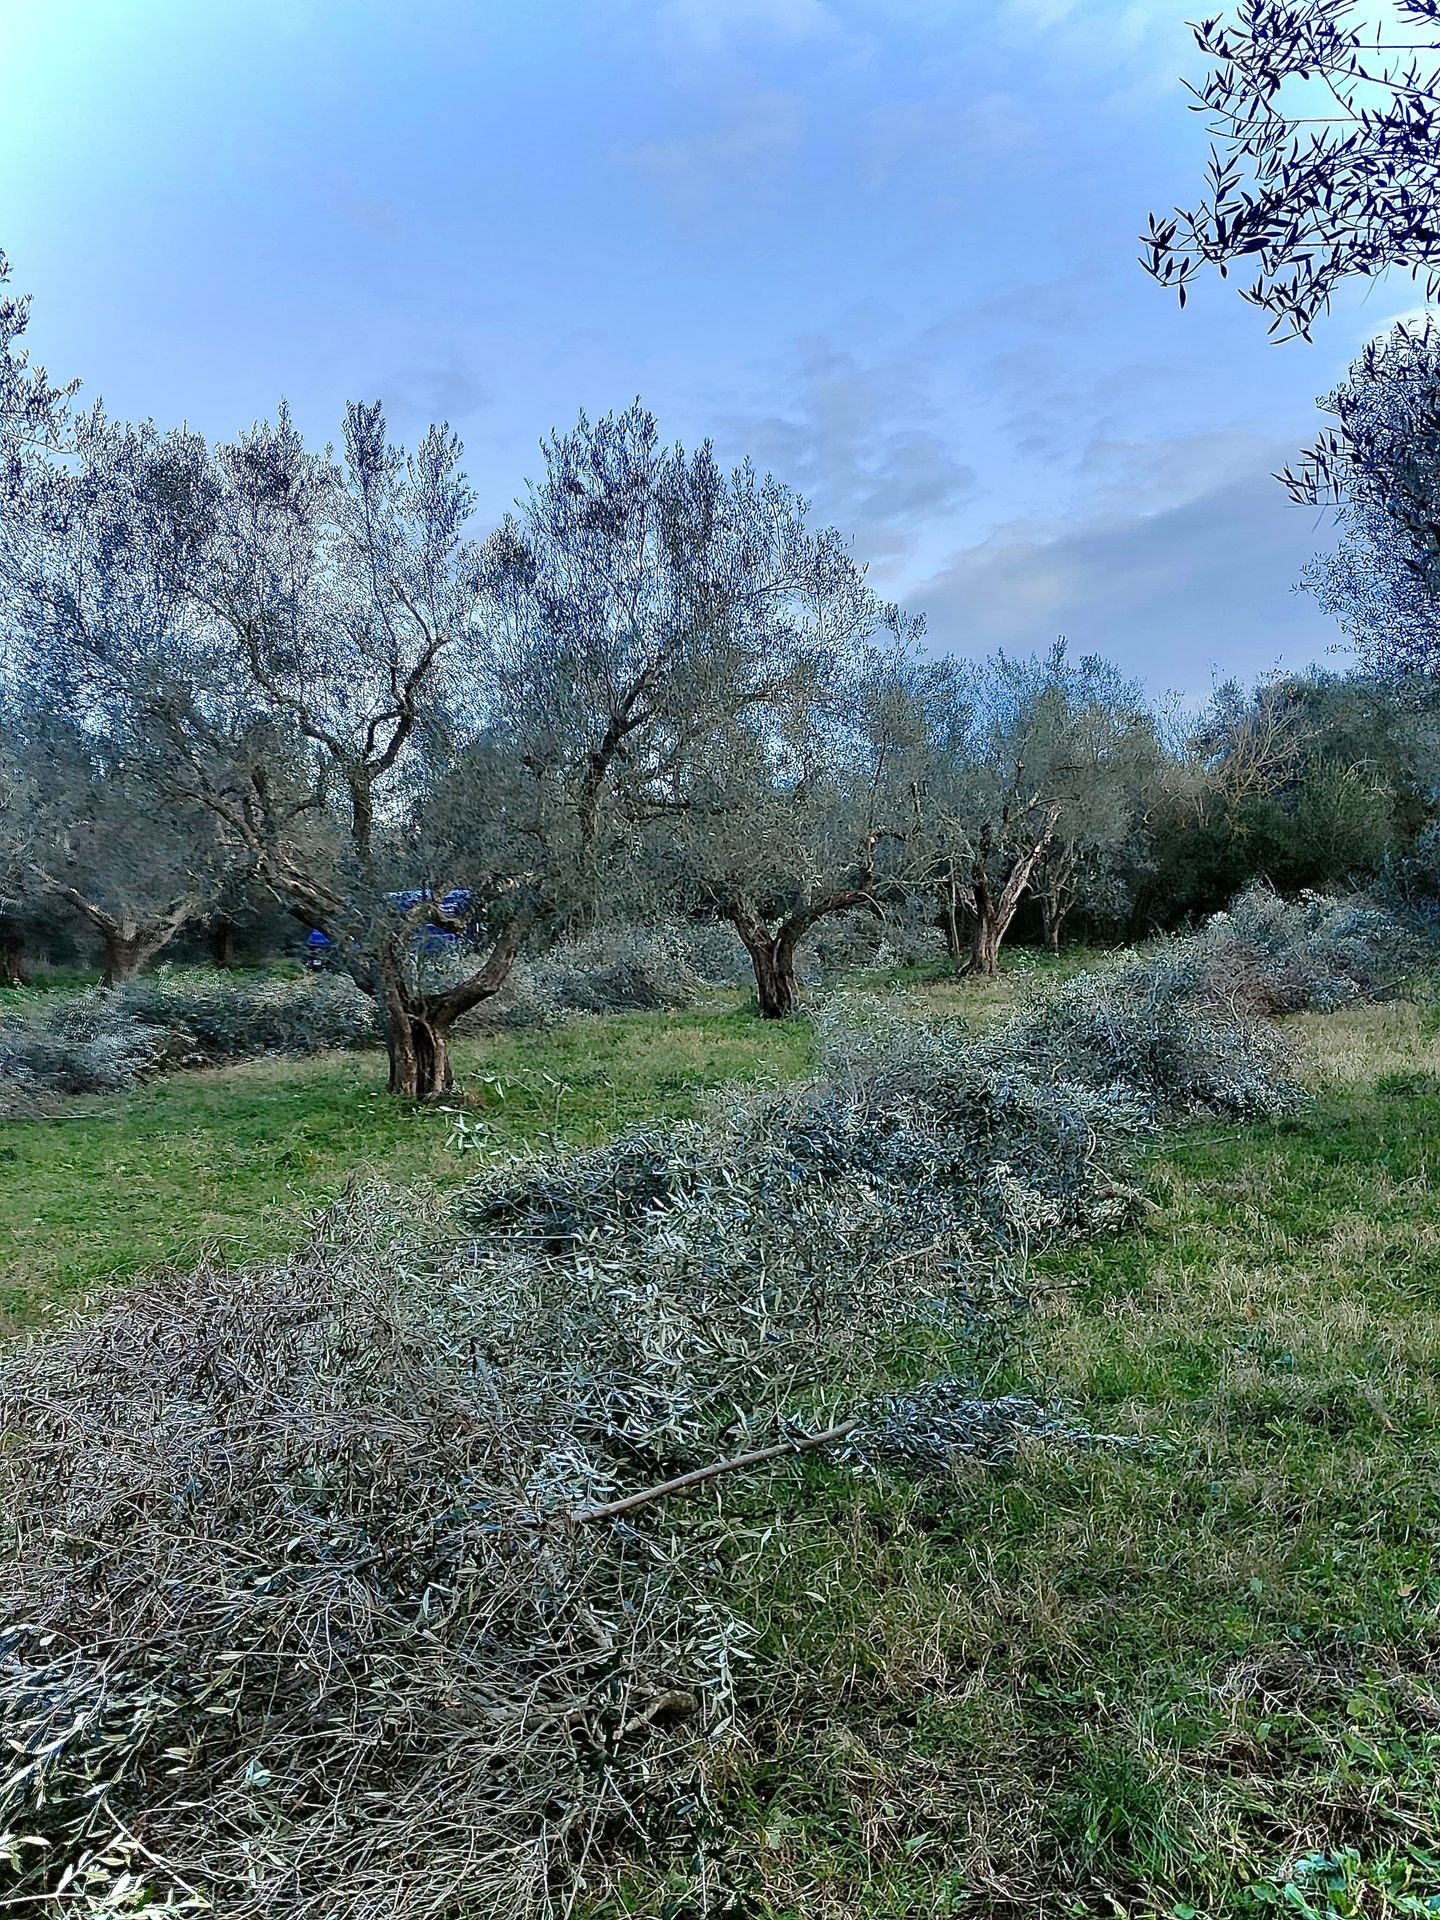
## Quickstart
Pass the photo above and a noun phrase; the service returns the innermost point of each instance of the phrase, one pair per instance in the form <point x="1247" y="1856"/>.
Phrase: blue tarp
<point x="429" y="939"/>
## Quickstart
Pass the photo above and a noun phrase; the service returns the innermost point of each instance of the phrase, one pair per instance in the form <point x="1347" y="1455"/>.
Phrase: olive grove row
<point x="655" y="688"/>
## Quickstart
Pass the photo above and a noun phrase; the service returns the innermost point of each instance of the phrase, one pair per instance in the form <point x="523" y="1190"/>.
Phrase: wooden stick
<point x="805" y="1444"/>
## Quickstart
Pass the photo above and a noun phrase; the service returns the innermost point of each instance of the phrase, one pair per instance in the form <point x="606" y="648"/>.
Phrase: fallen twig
<point x="806" y="1443"/>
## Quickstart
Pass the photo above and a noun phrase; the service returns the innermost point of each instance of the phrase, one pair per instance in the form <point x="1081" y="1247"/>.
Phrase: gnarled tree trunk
<point x="419" y="1050"/>
<point x="128" y="943"/>
<point x="418" y="1025"/>
<point x="773" y="950"/>
<point x="993" y="912"/>
<point x="129" y="948"/>
<point x="777" y="989"/>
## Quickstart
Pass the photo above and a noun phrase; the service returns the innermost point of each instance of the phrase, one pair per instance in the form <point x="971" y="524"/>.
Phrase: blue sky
<point x="887" y="247"/>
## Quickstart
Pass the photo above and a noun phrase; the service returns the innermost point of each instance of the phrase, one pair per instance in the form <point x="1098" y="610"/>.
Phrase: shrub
<point x="654" y="969"/>
<point x="619" y="970"/>
<point x="1274" y="956"/>
<point x="99" y="1042"/>
<point x="71" y="1044"/>
<point x="213" y="1016"/>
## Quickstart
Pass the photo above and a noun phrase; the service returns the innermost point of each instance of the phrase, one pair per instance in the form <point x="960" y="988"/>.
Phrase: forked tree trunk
<point x="777" y="989"/>
<point x="418" y="1026"/>
<point x="1053" y="913"/>
<point x="773" y="951"/>
<point x="128" y="944"/>
<point x="985" y="946"/>
<point x="129" y="949"/>
<point x="1056" y="892"/>
<point x="994" y="912"/>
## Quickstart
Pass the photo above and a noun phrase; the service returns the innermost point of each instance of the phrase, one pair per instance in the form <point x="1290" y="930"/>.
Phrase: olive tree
<point x="303" y="639"/>
<point x="33" y="412"/>
<point x="88" y="830"/>
<point x="1090" y="741"/>
<point x="654" y="603"/>
<point x="984" y="814"/>
<point x="1378" y="465"/>
<point x="799" y="813"/>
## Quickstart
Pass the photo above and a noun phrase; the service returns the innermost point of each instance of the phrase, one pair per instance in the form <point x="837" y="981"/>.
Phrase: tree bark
<point x="13" y="969"/>
<point x="1056" y="893"/>
<point x="419" y="1050"/>
<point x="777" y="989"/>
<point x="985" y="946"/>
<point x="222" y="943"/>
<point x="993" y="912"/>
<point x="123" y="958"/>
<point x="128" y="949"/>
<point x="948" y="918"/>
<point x="1052" y="916"/>
<point x="418" y="1025"/>
<point x="773" y="952"/>
<point x="128" y="944"/>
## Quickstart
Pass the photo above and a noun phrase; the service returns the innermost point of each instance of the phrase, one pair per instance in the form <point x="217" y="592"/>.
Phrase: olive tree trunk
<point x="14" y="972"/>
<point x="773" y="948"/>
<point x="128" y="943"/>
<point x="418" y="1025"/>
<point x="222" y="943"/>
<point x="993" y="911"/>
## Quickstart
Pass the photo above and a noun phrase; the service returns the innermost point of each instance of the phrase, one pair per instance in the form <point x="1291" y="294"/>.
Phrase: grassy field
<point x="1195" y="1677"/>
<point x="1191" y="1678"/>
<point x="241" y="1156"/>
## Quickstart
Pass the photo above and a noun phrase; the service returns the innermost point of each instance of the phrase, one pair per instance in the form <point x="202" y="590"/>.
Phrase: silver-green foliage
<point x="217" y="1016"/>
<point x="1319" y="952"/>
<point x="622" y="969"/>
<point x="1183" y="1025"/>
<point x="288" y="1617"/>
<point x="71" y="1044"/>
<point x="100" y="1042"/>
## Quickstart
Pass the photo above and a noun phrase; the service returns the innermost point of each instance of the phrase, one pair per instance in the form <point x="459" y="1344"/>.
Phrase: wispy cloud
<point x="747" y="149"/>
<point x="1202" y="583"/>
<point x="859" y="437"/>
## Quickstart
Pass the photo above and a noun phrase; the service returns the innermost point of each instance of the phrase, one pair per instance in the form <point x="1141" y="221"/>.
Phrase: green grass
<point x="47" y="980"/>
<point x="1195" y="1678"/>
<point x="1200" y="1677"/>
<point x="241" y="1156"/>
